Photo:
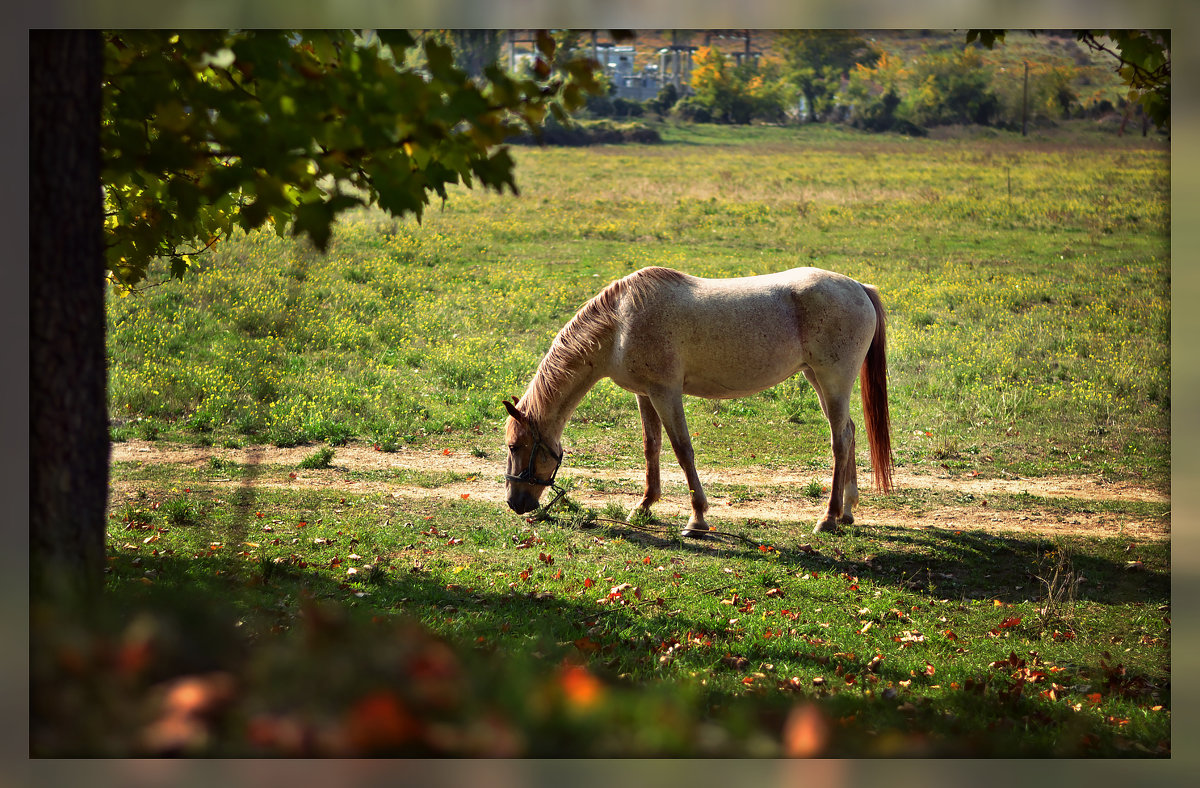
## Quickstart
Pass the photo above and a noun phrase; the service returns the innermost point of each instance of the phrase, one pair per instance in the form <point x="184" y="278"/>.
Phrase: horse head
<point x="533" y="460"/>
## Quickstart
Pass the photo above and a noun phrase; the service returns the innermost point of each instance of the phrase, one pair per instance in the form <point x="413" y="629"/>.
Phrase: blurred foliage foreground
<point x="178" y="673"/>
<point x="184" y="677"/>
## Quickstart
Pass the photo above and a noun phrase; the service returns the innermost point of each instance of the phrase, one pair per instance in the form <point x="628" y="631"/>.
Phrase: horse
<point x="660" y="333"/>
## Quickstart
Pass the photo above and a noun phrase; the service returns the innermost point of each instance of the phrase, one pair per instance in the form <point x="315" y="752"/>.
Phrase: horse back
<point x="732" y="337"/>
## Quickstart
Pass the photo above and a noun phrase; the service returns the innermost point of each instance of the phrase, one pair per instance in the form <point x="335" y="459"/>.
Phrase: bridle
<point x="529" y="475"/>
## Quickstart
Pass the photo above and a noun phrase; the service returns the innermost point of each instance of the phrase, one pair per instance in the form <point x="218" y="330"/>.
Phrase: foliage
<point x="205" y="132"/>
<point x="724" y="92"/>
<point x="952" y="87"/>
<point x="1143" y="62"/>
<point x="667" y="96"/>
<point x="815" y="61"/>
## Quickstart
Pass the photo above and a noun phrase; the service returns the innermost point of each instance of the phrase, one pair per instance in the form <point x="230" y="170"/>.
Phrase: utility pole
<point x="1025" y="104"/>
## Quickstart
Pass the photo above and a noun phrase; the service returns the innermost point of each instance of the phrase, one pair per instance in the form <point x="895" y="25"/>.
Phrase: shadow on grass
<point x="321" y="666"/>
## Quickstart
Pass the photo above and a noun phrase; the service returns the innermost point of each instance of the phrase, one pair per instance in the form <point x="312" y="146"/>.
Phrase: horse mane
<point x="594" y="323"/>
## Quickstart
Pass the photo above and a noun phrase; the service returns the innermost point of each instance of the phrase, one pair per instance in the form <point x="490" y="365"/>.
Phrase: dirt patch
<point x="483" y="484"/>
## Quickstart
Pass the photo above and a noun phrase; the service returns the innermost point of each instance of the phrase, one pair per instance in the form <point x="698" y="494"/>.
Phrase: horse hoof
<point x="826" y="527"/>
<point x="846" y="519"/>
<point x="694" y="531"/>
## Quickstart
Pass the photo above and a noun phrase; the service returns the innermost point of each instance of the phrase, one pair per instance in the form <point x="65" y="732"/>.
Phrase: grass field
<point x="1028" y="289"/>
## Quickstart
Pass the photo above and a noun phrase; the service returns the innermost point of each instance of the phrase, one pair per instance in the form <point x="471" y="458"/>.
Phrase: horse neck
<point x="559" y="386"/>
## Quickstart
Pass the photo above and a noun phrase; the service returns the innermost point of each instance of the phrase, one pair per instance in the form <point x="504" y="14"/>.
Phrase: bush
<point x="668" y="94"/>
<point x="596" y="132"/>
<point x="692" y="110"/>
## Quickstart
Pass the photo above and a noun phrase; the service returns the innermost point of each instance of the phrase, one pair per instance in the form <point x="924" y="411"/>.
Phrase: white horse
<point x="662" y="334"/>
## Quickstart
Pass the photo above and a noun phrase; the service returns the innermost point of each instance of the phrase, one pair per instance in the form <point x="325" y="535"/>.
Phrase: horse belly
<point x="738" y="364"/>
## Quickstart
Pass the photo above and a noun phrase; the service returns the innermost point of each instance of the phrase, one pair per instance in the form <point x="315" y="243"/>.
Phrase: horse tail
<point x="875" y="397"/>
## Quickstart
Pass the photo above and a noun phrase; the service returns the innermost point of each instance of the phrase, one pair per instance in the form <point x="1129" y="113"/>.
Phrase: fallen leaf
<point x="806" y="732"/>
<point x="580" y="687"/>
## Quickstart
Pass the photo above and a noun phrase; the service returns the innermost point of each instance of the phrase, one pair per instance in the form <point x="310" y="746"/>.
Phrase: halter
<point x="529" y="476"/>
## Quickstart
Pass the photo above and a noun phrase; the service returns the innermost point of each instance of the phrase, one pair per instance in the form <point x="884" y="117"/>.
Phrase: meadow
<point x="1028" y="289"/>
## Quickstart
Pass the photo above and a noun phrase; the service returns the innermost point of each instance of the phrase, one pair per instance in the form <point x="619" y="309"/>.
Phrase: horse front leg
<point x="652" y="445"/>
<point x="670" y="412"/>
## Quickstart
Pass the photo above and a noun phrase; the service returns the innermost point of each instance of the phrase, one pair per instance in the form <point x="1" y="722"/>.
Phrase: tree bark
<point x="68" y="429"/>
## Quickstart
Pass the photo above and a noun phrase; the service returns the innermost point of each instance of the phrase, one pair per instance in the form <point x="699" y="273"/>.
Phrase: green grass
<point x="1028" y="335"/>
<point x="954" y="635"/>
<point x="1030" y="327"/>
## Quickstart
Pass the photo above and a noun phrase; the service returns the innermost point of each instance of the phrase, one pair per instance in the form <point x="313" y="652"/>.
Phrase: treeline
<point x="828" y="76"/>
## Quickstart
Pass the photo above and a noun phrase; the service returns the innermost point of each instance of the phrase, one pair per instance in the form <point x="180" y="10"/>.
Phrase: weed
<point x="285" y="436"/>
<point x="1060" y="586"/>
<point x="945" y="447"/>
<point x="148" y="429"/>
<point x="136" y="517"/>
<point x="321" y="458"/>
<point x="180" y="511"/>
<point x="614" y="511"/>
<point x="223" y="465"/>
<point x="814" y="489"/>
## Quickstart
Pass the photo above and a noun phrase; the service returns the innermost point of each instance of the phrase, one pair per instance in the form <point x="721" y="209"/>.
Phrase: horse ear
<point x="511" y="407"/>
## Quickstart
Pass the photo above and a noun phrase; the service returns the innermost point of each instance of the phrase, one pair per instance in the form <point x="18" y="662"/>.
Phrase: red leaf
<point x="588" y="582"/>
<point x="1010" y="622"/>
<point x="379" y="722"/>
<point x="581" y="688"/>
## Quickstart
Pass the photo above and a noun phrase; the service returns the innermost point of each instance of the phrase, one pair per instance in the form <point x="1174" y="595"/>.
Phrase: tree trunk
<point x="68" y="431"/>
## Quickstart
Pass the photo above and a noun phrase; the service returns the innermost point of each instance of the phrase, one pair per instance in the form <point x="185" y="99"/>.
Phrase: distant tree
<point x="474" y="49"/>
<point x="876" y="92"/>
<point x="1142" y="58"/>
<point x="816" y="61"/>
<point x="734" y="93"/>
<point x="717" y="87"/>
<point x="952" y="87"/>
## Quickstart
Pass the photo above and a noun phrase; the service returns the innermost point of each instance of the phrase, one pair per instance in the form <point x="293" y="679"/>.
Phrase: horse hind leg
<point x="652" y="445"/>
<point x="850" y="491"/>
<point x="841" y="430"/>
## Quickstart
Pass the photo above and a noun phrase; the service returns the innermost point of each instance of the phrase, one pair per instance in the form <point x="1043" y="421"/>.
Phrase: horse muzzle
<point x="522" y="502"/>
